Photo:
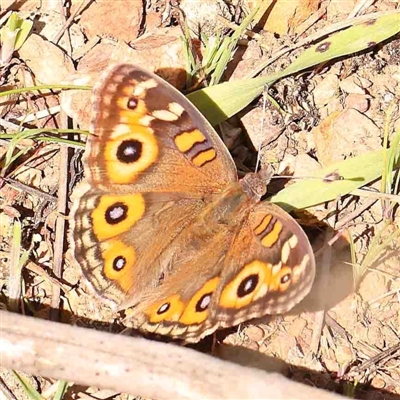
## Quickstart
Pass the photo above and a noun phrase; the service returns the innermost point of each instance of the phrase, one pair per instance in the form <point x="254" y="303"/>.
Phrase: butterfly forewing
<point x="148" y="135"/>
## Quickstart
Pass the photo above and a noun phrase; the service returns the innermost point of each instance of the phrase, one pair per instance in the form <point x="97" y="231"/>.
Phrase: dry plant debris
<point x="331" y="113"/>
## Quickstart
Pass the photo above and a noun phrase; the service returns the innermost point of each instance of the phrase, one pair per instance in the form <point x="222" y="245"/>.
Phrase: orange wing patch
<point x="269" y="230"/>
<point x="204" y="157"/>
<point x="169" y="309"/>
<point x="130" y="155"/>
<point x="115" y="214"/>
<point x="185" y="141"/>
<point x="251" y="282"/>
<point x="196" y="311"/>
<point x="119" y="260"/>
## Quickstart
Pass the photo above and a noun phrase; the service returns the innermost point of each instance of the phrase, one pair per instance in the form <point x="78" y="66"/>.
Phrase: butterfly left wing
<point x="150" y="163"/>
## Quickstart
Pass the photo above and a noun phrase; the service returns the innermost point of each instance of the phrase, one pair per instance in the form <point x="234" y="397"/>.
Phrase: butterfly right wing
<point x="268" y="269"/>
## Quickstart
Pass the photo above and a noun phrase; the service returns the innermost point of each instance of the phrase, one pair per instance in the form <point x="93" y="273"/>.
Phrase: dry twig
<point x="135" y="365"/>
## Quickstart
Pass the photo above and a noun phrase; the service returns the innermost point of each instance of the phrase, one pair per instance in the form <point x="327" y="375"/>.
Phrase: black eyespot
<point x="129" y="151"/>
<point x="132" y="103"/>
<point x="119" y="263"/>
<point x="164" y="308"/>
<point x="203" y="303"/>
<point x="247" y="285"/>
<point x="285" y="279"/>
<point x="116" y="213"/>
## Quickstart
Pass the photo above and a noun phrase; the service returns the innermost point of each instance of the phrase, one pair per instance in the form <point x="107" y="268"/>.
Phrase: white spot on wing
<point x="293" y="241"/>
<point x="276" y="268"/>
<point x="165" y="115"/>
<point x="176" y="108"/>
<point x="142" y="87"/>
<point x="119" y="130"/>
<point x="146" y="120"/>
<point x="285" y="252"/>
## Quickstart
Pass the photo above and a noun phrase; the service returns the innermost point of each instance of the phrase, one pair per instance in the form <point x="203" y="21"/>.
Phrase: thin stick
<point x="60" y="230"/>
<point x="360" y="7"/>
<point x="70" y="20"/>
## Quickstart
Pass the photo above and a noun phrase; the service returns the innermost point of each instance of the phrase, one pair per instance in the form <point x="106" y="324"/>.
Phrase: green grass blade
<point x="11" y="156"/>
<point x="387" y="174"/>
<point x="61" y="389"/>
<point x="23" y="33"/>
<point x="219" y="102"/>
<point x="228" y="48"/>
<point x="29" y="389"/>
<point x="44" y="87"/>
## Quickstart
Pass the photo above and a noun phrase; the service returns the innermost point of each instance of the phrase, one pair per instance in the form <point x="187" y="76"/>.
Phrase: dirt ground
<point x="345" y="335"/>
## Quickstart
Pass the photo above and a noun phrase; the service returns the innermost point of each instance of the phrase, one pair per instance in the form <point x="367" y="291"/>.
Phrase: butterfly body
<point x="163" y="227"/>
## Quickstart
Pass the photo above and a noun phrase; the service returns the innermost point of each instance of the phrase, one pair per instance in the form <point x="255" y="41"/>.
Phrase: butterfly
<point x="161" y="225"/>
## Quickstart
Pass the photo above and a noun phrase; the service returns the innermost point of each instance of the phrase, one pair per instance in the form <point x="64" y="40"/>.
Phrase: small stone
<point x="296" y="327"/>
<point x="326" y="90"/>
<point x="357" y="101"/>
<point x="360" y="332"/>
<point x="343" y="354"/>
<point x="100" y="16"/>
<point x="336" y="8"/>
<point x="305" y="165"/>
<point x="344" y="134"/>
<point x="375" y="336"/>
<point x="272" y="126"/>
<point x="373" y="286"/>
<point x="255" y="333"/>
<point x="282" y="345"/>
<point x="351" y="85"/>
<point x="378" y="382"/>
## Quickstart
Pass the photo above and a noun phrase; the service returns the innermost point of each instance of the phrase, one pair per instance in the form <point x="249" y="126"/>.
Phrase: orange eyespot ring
<point x="169" y="309"/>
<point x="197" y="309"/>
<point x="250" y="283"/>
<point x="130" y="154"/>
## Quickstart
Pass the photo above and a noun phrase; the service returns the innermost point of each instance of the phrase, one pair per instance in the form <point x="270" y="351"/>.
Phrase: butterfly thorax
<point x="254" y="184"/>
<point x="227" y="209"/>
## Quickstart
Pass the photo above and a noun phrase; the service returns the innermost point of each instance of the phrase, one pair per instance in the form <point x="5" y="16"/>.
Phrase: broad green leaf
<point x="14" y="33"/>
<point x="356" y="171"/>
<point x="352" y="40"/>
<point x="23" y="33"/>
<point x="219" y="102"/>
<point x="224" y="100"/>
